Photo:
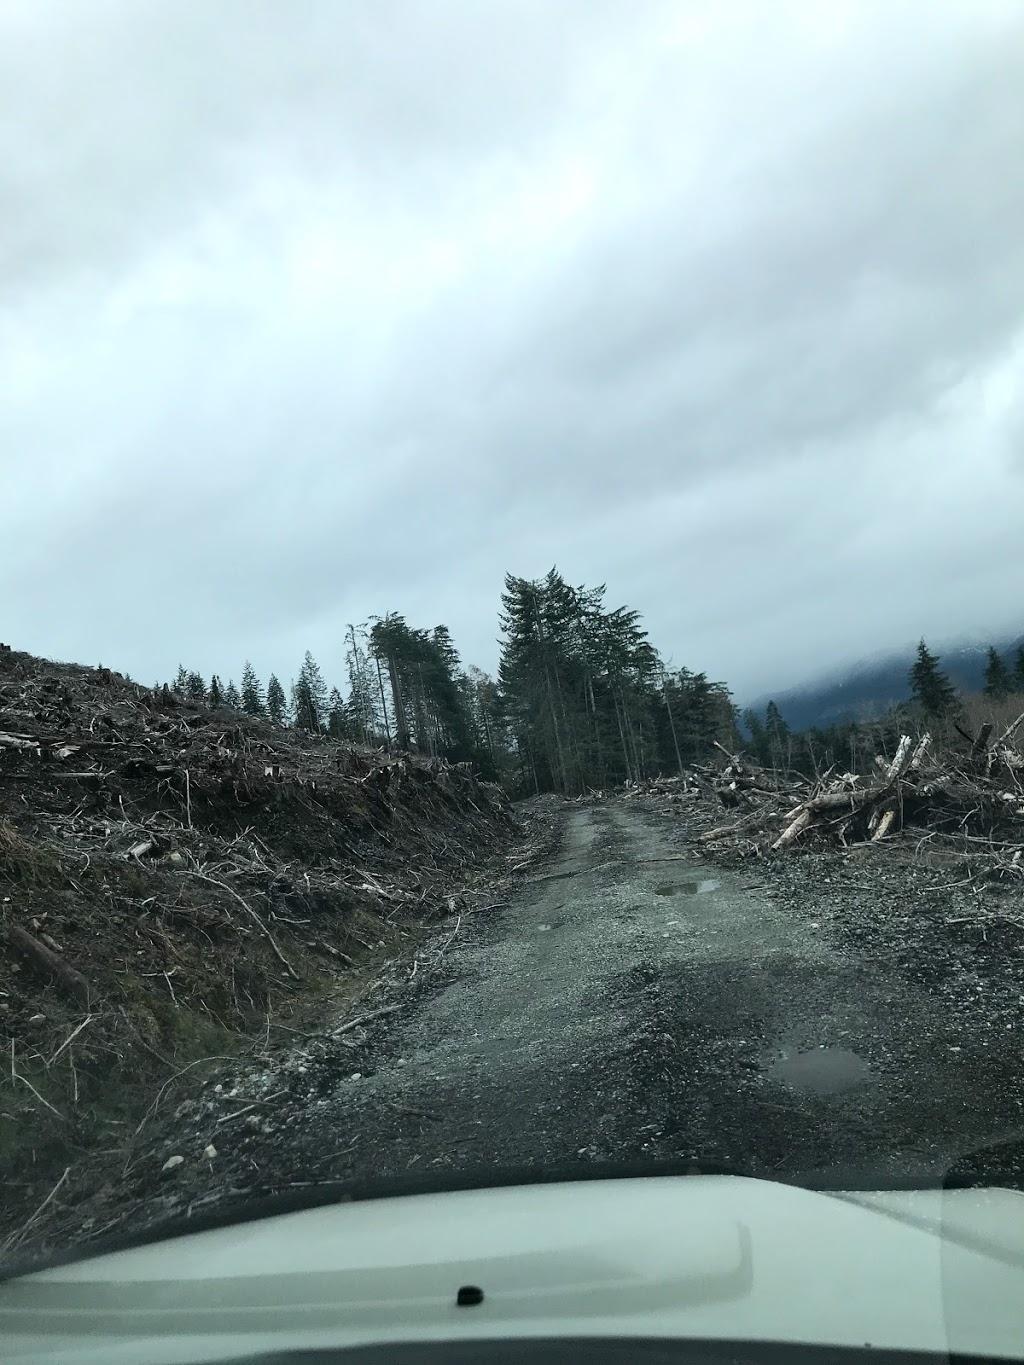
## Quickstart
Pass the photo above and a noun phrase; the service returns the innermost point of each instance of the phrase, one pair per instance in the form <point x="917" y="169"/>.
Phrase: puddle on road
<point x="688" y="888"/>
<point x="823" y="1070"/>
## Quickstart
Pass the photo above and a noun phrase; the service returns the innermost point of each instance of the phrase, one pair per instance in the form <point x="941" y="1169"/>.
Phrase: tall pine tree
<point x="998" y="681"/>
<point x="337" y="718"/>
<point x="362" y="687"/>
<point x="760" y="744"/>
<point x="253" y="702"/>
<point x="232" y="697"/>
<point x="309" y="697"/>
<point x="580" y="687"/>
<point x="276" y="703"/>
<point x="931" y="689"/>
<point x="1018" y="670"/>
<point x="777" y="732"/>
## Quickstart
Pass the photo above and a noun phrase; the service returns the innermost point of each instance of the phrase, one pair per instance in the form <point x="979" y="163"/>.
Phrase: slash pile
<point x="969" y="798"/>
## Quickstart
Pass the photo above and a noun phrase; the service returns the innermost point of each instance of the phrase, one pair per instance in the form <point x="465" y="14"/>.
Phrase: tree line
<point x="582" y="699"/>
<point x="935" y="704"/>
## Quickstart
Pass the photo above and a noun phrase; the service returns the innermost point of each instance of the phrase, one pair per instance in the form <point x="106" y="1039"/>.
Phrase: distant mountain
<point x="867" y="689"/>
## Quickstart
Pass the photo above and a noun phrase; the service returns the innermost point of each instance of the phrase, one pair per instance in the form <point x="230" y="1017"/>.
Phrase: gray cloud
<point x="308" y="316"/>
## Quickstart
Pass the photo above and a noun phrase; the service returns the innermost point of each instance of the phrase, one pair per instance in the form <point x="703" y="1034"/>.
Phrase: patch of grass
<point x="26" y="862"/>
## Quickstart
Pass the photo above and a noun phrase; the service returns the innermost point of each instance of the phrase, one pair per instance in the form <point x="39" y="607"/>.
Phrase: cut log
<point x="902" y="760"/>
<point x="980" y="746"/>
<point x="920" y="751"/>
<point x="793" y="831"/>
<point x="49" y="963"/>
<point x="841" y="800"/>
<point x="885" y="824"/>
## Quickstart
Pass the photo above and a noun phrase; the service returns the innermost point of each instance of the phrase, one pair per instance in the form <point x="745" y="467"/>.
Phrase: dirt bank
<point x="182" y="884"/>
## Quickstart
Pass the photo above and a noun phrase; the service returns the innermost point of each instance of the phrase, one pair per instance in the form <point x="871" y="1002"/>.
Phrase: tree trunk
<point x="632" y="733"/>
<point x="383" y="703"/>
<point x="595" y="732"/>
<point x="401" y="724"/>
<point x="672" y="724"/>
<point x="49" y="963"/>
<point x="622" y="735"/>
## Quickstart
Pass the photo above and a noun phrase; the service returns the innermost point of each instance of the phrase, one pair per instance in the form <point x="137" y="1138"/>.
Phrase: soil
<point x="617" y="995"/>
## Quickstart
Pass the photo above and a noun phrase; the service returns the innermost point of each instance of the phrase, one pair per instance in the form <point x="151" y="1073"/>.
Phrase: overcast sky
<point x="315" y="310"/>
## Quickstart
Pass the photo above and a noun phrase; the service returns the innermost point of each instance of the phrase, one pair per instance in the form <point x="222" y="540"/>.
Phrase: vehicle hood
<point x="709" y="1256"/>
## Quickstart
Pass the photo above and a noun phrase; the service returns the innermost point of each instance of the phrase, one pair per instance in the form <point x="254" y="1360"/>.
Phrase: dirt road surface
<point x="632" y="1002"/>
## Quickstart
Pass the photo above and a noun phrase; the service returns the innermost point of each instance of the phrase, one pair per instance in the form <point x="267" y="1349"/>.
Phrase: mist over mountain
<point x="864" y="690"/>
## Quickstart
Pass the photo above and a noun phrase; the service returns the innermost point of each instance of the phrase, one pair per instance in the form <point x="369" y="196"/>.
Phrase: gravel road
<point x="632" y="1002"/>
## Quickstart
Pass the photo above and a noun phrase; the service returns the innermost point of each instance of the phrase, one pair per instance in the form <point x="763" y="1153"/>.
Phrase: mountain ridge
<point x="862" y="690"/>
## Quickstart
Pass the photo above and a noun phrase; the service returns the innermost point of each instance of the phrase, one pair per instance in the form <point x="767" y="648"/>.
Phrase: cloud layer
<point x="307" y="315"/>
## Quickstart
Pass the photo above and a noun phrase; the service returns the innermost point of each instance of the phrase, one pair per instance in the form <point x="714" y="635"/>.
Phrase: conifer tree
<point x="998" y="680"/>
<point x="362" y="687"/>
<point x="276" y="704"/>
<point x="337" y="716"/>
<point x="253" y="702"/>
<point x="309" y="697"/>
<point x="932" y="690"/>
<point x="777" y="733"/>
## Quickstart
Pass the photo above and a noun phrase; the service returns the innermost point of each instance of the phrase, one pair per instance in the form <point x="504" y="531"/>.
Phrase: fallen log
<point x="849" y="800"/>
<point x="794" y="830"/>
<point x="18" y="742"/>
<point x="49" y="963"/>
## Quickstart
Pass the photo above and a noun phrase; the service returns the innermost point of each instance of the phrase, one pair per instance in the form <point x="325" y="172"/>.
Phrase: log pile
<point x="971" y="796"/>
<point x="690" y="783"/>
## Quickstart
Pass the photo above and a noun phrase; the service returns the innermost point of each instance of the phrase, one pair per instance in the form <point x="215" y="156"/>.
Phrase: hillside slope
<point x="179" y="883"/>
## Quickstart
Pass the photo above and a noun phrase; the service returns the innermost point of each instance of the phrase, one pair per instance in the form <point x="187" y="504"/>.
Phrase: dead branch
<point x="748" y="826"/>
<point x="252" y="913"/>
<point x="71" y="1038"/>
<point x="20" y="1234"/>
<point x="363" y="1019"/>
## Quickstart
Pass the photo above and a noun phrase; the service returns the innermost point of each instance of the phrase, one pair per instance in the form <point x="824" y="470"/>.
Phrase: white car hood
<point x="707" y="1256"/>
